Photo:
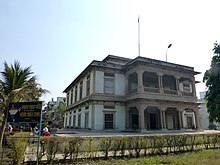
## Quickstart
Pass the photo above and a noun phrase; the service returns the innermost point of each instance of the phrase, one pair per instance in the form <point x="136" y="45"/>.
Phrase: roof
<point x="122" y="63"/>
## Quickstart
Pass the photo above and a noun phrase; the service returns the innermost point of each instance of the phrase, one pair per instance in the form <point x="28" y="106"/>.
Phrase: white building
<point x="123" y="94"/>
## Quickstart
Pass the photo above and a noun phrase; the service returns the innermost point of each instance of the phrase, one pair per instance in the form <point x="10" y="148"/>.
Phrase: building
<point x="51" y="115"/>
<point x="142" y="94"/>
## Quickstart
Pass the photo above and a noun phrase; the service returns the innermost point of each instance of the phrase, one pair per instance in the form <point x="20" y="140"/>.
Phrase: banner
<point x="25" y="112"/>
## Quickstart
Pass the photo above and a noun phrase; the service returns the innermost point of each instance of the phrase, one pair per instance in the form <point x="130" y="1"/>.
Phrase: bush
<point x="18" y="144"/>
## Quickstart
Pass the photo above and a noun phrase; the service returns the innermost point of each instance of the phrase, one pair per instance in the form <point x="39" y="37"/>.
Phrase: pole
<point x="166" y="54"/>
<point x="167" y="50"/>
<point x="139" y="47"/>
<point x="39" y="133"/>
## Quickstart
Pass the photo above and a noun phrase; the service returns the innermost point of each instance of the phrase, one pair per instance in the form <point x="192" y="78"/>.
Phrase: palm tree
<point x="17" y="84"/>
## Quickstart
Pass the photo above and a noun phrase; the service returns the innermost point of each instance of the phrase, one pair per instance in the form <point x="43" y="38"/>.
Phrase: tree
<point x="56" y="114"/>
<point x="212" y="81"/>
<point x="17" y="84"/>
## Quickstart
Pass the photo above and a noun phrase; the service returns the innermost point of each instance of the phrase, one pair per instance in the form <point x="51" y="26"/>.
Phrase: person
<point x="35" y="130"/>
<point x="10" y="128"/>
<point x="21" y="128"/>
<point x="46" y="132"/>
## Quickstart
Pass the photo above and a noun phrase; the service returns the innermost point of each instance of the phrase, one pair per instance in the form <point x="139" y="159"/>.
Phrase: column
<point x="161" y="119"/>
<point x="65" y="120"/>
<point x="194" y="88"/>
<point x="140" y="81"/>
<point x="180" y="119"/>
<point x="127" y="118"/>
<point x="163" y="115"/>
<point x="160" y="79"/>
<point x="183" y="119"/>
<point x="164" y="119"/>
<point x="177" y="85"/>
<point x="197" y="119"/>
<point x="141" y="117"/>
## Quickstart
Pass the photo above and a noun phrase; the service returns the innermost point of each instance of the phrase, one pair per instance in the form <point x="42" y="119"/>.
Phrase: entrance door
<point x="170" y="122"/>
<point x="189" y="122"/>
<point x="134" y="121"/>
<point x="153" y="121"/>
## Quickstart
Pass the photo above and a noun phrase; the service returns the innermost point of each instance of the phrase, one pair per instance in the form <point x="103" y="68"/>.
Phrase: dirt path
<point x="4" y="159"/>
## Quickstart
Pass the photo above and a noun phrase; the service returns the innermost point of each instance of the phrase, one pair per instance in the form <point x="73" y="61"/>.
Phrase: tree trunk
<point x="3" y="127"/>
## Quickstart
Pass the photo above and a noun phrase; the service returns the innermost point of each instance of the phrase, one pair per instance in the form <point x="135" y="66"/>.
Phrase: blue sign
<point x="27" y="112"/>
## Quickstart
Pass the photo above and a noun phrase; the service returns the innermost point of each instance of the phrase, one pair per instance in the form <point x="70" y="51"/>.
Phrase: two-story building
<point x="119" y="93"/>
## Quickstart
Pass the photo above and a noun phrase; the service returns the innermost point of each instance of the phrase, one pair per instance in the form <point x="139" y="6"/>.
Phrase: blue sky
<point x="59" y="38"/>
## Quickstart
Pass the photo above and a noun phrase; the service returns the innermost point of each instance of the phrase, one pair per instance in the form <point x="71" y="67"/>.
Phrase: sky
<point x="59" y="38"/>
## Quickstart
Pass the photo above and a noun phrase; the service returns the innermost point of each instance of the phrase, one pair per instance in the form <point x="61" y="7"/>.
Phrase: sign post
<point x="27" y="112"/>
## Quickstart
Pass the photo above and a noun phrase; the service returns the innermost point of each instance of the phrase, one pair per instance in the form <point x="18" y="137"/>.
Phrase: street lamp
<point x="167" y="50"/>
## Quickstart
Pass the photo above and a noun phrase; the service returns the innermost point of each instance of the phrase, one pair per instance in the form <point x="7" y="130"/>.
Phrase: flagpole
<point x="139" y="49"/>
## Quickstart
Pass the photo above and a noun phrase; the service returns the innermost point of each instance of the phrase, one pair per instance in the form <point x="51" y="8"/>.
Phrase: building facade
<point x="132" y="94"/>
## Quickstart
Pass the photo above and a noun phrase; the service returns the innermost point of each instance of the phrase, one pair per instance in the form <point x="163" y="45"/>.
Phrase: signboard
<point x="27" y="112"/>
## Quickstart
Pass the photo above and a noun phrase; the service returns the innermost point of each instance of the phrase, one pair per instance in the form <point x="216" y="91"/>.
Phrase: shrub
<point x="51" y="148"/>
<point x="91" y="147"/>
<point x="105" y="145"/>
<point x="18" y="144"/>
<point x="74" y="147"/>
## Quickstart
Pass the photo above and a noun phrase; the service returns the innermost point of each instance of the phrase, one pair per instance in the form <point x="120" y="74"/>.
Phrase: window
<point x="80" y="90"/>
<point x="71" y="97"/>
<point x="109" y="80"/>
<point x="74" y="121"/>
<point x="66" y="121"/>
<point x="87" y="120"/>
<point x="132" y="83"/>
<point x="76" y="94"/>
<point x="79" y="120"/>
<point x="67" y="97"/>
<point x="88" y="86"/>
<point x="169" y="82"/>
<point x="70" y="121"/>
<point x="150" y="79"/>
<point x="185" y="85"/>
<point x="109" y="120"/>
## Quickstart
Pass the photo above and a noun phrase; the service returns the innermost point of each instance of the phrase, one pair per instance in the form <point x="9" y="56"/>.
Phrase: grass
<point x="203" y="157"/>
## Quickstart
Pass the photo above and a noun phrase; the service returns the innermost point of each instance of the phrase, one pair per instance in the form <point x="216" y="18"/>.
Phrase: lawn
<point x="204" y="157"/>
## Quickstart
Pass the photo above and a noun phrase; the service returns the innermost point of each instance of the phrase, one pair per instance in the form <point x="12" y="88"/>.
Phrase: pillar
<point x="177" y="85"/>
<point x="160" y="79"/>
<point x="140" y="81"/>
<point x="161" y="119"/>
<point x="198" y="126"/>
<point x="127" y="118"/>
<point x="180" y="119"/>
<point x="141" y="117"/>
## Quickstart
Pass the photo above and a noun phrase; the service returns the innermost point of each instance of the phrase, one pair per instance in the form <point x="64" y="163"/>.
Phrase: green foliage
<point x="17" y="84"/>
<point x="132" y="146"/>
<point x="18" y="146"/>
<point x="91" y="147"/>
<point x="75" y="144"/>
<point x="51" y="148"/>
<point x="105" y="145"/>
<point x="212" y="81"/>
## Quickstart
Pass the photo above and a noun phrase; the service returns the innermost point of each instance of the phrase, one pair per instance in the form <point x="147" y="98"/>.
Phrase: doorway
<point x="134" y="121"/>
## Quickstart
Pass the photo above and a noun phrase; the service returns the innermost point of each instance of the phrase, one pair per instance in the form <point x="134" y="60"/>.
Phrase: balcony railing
<point x="170" y="91"/>
<point x="151" y="89"/>
<point x="187" y="94"/>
